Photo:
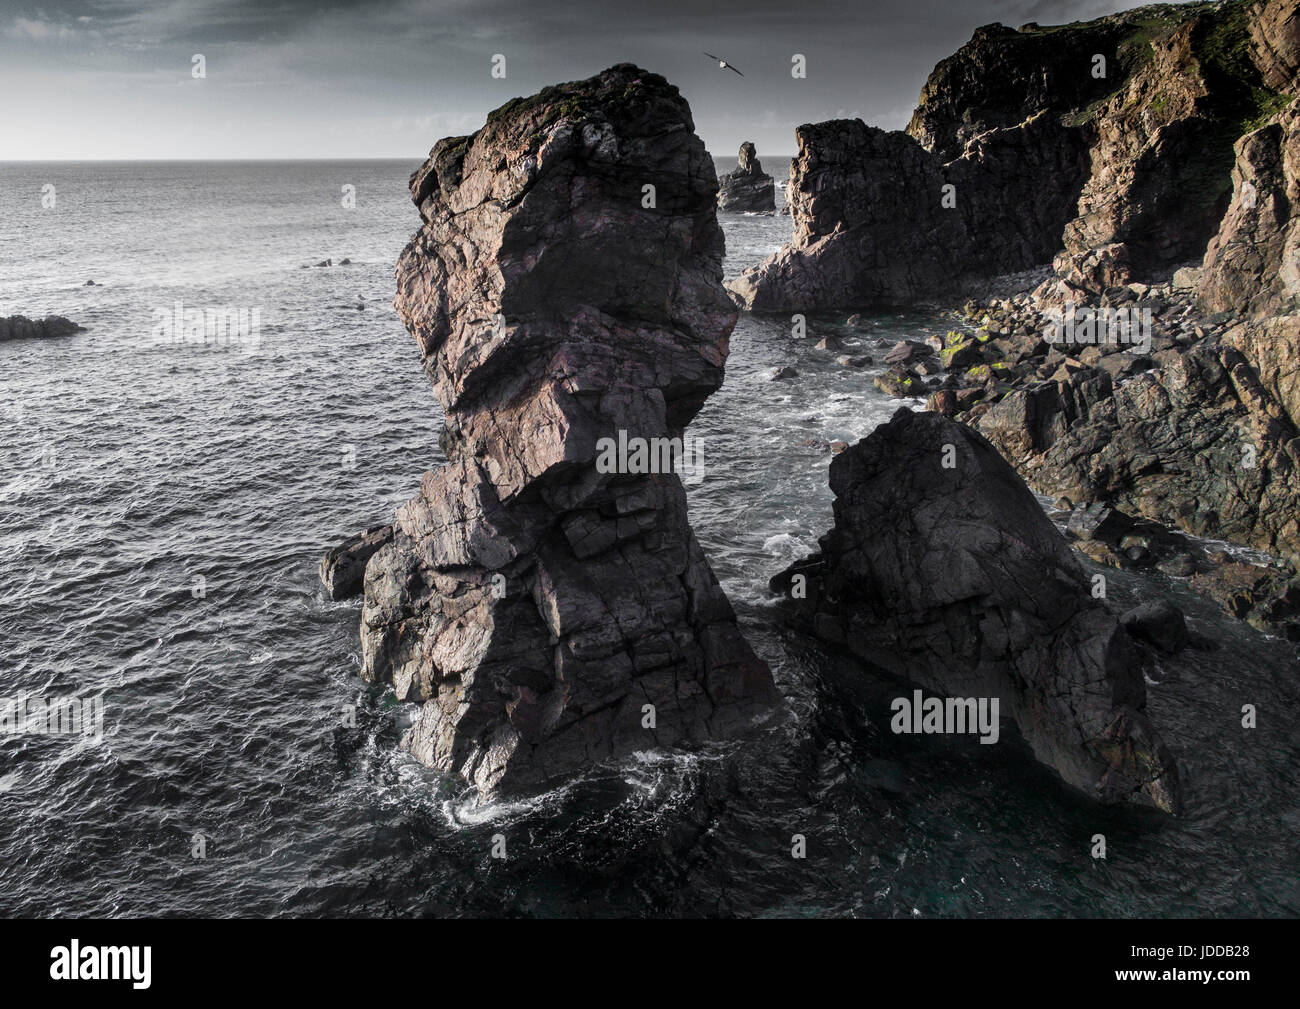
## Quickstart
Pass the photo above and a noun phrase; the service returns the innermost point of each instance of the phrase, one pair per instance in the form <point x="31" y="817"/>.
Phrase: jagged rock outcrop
<point x="19" y="327"/>
<point x="874" y="224"/>
<point x="343" y="569"/>
<point x="942" y="569"/>
<point x="1107" y="145"/>
<point x="1194" y="442"/>
<point x="747" y="187"/>
<point x="548" y="612"/>
<point x="1193" y="426"/>
<point x="1003" y="77"/>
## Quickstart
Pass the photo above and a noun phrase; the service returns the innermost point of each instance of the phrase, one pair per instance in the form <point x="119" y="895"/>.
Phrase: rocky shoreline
<point x="1151" y="368"/>
<point x="1176" y="437"/>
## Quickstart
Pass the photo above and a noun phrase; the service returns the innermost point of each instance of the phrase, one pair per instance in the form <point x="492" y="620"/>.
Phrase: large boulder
<point x="747" y="187"/>
<point x="543" y="598"/>
<point x="942" y="569"/>
<point x="343" y="568"/>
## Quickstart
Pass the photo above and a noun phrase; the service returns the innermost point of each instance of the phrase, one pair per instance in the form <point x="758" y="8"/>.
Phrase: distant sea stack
<point x="1106" y="147"/>
<point x="19" y="327"/>
<point x="943" y="570"/>
<point x="747" y="187"/>
<point x="544" y="598"/>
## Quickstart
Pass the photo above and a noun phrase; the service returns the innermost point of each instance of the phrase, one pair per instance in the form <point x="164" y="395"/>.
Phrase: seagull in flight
<point x="723" y="64"/>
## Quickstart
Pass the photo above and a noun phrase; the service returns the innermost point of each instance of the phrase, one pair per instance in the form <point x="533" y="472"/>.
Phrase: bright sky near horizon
<point x="90" y="79"/>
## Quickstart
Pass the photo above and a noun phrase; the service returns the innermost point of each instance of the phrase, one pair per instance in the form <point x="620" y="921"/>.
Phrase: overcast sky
<point x="291" y="78"/>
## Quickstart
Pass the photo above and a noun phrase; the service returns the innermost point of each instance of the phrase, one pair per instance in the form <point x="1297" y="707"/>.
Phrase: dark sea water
<point x="164" y="510"/>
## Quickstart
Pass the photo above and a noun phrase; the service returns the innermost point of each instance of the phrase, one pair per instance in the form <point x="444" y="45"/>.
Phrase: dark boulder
<point x="943" y="570"/>
<point x="19" y="327"/>
<point x="1160" y="624"/>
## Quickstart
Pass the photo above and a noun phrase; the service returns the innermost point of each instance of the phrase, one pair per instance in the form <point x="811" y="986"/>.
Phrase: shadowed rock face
<point x="955" y="579"/>
<point x="874" y="224"/>
<point x="748" y="187"/>
<point x="565" y="287"/>
<point x="343" y="569"/>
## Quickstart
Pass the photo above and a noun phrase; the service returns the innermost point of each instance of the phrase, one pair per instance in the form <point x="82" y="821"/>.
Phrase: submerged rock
<point x="19" y="327"/>
<point x="1160" y="624"/>
<point x="747" y="187"/>
<point x="943" y="570"/>
<point x="545" y="609"/>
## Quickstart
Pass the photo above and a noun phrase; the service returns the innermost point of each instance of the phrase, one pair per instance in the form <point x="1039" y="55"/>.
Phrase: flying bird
<point x="723" y="64"/>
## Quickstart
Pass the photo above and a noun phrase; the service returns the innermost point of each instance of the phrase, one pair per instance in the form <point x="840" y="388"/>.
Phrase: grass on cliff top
<point x="1146" y="25"/>
<point x="568" y="102"/>
<point x="1221" y="45"/>
<point x="1151" y="19"/>
<point x="1221" y="48"/>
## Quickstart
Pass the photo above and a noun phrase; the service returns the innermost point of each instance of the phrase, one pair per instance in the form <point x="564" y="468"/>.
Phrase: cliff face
<point x="565" y="288"/>
<point x="1252" y="265"/>
<point x="1123" y="167"/>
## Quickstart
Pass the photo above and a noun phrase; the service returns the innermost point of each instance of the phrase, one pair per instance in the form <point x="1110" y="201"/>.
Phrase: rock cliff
<point x="1108" y="145"/>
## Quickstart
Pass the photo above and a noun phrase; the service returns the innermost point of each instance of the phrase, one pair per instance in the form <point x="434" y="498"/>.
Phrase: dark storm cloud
<point x="316" y="79"/>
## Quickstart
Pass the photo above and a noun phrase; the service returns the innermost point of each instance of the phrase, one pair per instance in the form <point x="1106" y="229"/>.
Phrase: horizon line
<point x="344" y="157"/>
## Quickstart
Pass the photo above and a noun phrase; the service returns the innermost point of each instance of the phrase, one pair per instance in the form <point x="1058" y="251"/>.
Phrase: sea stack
<point x="543" y="597"/>
<point x="748" y="187"/>
<point x="942" y="569"/>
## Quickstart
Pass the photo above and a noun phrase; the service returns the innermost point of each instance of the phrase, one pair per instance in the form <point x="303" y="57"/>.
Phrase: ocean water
<point x="164" y="510"/>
